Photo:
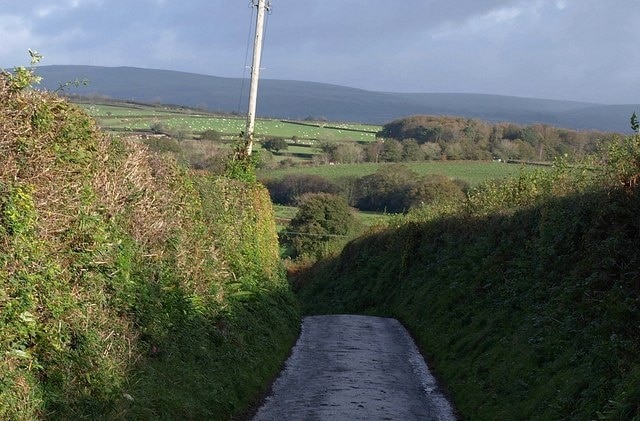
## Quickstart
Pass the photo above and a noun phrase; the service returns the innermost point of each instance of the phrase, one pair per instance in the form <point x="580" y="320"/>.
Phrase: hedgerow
<point x="129" y="286"/>
<point x="525" y="297"/>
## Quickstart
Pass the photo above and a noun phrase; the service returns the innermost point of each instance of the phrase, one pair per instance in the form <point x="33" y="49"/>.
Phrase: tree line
<point x="325" y="217"/>
<point x="464" y="138"/>
<point x="393" y="189"/>
<point x="423" y="138"/>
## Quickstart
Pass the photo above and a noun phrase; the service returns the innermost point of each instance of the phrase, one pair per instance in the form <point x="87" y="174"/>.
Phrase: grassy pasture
<point x="133" y="117"/>
<point x="141" y="117"/>
<point x="303" y="153"/>
<point x="473" y="172"/>
<point x="137" y="117"/>
<point x="284" y="214"/>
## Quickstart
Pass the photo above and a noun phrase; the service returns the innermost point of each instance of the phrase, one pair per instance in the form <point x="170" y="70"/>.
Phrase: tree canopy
<point x="275" y="144"/>
<point x="464" y="138"/>
<point x="321" y="218"/>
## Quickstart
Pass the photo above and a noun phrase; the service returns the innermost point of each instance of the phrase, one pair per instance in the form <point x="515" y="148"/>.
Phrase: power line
<point x="246" y="57"/>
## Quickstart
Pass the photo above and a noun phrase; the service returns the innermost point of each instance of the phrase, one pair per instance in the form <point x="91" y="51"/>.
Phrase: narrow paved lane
<point x="355" y="368"/>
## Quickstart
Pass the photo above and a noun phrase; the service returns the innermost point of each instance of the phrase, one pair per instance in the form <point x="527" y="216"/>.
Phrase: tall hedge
<point x="129" y="287"/>
<point x="525" y="297"/>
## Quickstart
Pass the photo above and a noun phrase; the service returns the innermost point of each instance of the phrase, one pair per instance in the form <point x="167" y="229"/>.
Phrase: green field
<point x="128" y="117"/>
<point x="135" y="117"/>
<point x="473" y="172"/>
<point x="284" y="214"/>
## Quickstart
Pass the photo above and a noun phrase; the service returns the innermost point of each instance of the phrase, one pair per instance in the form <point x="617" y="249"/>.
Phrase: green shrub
<point x="211" y="135"/>
<point x="322" y="223"/>
<point x="164" y="145"/>
<point x="287" y="190"/>
<point x="275" y="144"/>
<point x="433" y="189"/>
<point x="386" y="190"/>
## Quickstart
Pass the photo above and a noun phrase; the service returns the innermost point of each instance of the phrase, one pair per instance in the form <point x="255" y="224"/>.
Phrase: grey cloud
<point x="572" y="49"/>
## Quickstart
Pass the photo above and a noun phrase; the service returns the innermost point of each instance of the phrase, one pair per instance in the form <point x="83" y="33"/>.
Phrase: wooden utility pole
<point x="262" y="6"/>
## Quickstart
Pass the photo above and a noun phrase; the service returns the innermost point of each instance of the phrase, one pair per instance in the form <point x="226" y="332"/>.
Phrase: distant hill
<point x="298" y="100"/>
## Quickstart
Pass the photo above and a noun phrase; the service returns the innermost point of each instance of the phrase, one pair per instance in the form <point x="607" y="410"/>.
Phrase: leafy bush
<point x="163" y="145"/>
<point x="385" y="190"/>
<point x="287" y="190"/>
<point x="393" y="188"/>
<point x="211" y="135"/>
<point x="203" y="155"/>
<point x="162" y="128"/>
<point x="397" y="189"/>
<point x="275" y="144"/>
<point x="22" y="77"/>
<point x="320" y="224"/>
<point x="159" y="127"/>
<point x="623" y="162"/>
<point x="433" y="189"/>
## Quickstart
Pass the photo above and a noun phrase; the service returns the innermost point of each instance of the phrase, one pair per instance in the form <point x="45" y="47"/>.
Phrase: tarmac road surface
<point x="346" y="367"/>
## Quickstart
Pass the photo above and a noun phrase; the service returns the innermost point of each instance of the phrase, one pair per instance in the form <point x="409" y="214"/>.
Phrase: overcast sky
<point x="586" y="50"/>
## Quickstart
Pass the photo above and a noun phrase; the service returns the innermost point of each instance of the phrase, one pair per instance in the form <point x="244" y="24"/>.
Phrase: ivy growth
<point x="241" y="166"/>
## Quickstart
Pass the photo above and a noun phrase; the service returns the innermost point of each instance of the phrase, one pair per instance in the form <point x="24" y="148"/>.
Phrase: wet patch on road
<point x="347" y="367"/>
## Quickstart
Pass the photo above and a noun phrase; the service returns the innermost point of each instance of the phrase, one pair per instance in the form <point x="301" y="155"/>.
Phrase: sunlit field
<point x="473" y="172"/>
<point x="132" y="117"/>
